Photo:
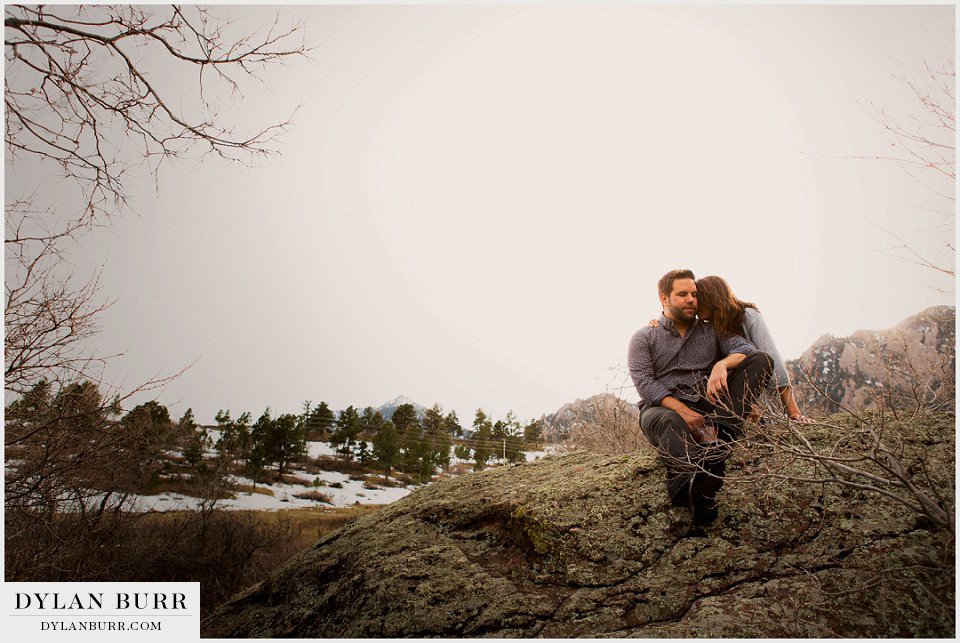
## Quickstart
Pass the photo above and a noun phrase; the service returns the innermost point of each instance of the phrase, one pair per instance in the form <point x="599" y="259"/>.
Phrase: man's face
<point x="681" y="304"/>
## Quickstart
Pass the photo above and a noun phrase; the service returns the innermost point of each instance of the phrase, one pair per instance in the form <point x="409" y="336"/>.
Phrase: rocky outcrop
<point x="605" y="410"/>
<point x="587" y="545"/>
<point x="911" y="363"/>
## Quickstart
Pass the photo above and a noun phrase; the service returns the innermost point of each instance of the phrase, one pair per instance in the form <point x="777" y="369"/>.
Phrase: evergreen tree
<point x="424" y="455"/>
<point x="440" y="445"/>
<point x="195" y="449"/>
<point x="287" y="441"/>
<point x="279" y="440"/>
<point x="482" y="437"/>
<point x="155" y="432"/>
<point x="512" y="449"/>
<point x="187" y="424"/>
<point x="436" y="438"/>
<point x="320" y="422"/>
<point x="532" y="432"/>
<point x="404" y="418"/>
<point x="498" y="434"/>
<point x="363" y="452"/>
<point x="386" y="446"/>
<point x="376" y="424"/>
<point x="258" y="456"/>
<point x="235" y="442"/>
<point x="411" y="441"/>
<point x="347" y="428"/>
<point x="371" y="422"/>
<point x="433" y="419"/>
<point x="461" y="451"/>
<point x="451" y="424"/>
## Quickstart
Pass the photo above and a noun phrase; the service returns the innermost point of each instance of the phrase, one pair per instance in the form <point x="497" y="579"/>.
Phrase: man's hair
<point x="665" y="285"/>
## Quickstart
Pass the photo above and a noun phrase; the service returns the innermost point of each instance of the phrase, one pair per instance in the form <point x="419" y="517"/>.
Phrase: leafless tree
<point x="606" y="424"/>
<point x="95" y="96"/>
<point x="92" y="93"/>
<point x="923" y="145"/>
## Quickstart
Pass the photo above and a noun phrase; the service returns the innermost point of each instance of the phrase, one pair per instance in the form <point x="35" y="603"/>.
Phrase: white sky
<point x="474" y="204"/>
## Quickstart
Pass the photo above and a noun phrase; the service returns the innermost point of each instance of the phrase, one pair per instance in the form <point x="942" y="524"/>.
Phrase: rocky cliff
<point x="911" y="363"/>
<point x="604" y="413"/>
<point x="587" y="545"/>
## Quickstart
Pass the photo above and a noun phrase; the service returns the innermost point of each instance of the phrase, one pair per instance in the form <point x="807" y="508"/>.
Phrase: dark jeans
<point x="695" y="471"/>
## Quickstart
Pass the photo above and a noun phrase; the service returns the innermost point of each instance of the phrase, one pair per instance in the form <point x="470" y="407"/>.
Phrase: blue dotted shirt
<point x="663" y="363"/>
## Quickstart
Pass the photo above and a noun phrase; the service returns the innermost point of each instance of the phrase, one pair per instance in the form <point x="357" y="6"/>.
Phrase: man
<point x="695" y="390"/>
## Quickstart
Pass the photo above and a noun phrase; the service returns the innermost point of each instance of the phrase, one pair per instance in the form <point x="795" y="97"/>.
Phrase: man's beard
<point x="679" y="314"/>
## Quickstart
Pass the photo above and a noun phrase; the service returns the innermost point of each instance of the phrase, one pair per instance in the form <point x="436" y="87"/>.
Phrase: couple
<point x="699" y="379"/>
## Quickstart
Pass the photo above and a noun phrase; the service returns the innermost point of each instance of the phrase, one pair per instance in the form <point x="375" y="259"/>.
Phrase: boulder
<point x="588" y="545"/>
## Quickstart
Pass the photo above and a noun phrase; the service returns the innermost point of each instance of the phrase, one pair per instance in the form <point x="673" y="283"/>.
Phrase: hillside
<point x="587" y="545"/>
<point x="912" y="362"/>
<point x="604" y="414"/>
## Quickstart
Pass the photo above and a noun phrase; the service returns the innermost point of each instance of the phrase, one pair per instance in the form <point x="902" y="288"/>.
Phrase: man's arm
<point x="695" y="421"/>
<point x="717" y="384"/>
<point x="640" y="365"/>
<point x="735" y="349"/>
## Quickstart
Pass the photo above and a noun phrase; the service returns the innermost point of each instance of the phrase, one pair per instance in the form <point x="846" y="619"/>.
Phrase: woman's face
<point x="704" y="311"/>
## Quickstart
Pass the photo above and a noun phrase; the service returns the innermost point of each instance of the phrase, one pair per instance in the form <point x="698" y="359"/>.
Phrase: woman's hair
<point x="727" y="311"/>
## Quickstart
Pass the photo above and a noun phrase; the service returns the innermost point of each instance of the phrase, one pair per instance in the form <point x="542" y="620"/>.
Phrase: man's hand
<point x="717" y="384"/>
<point x="695" y="421"/>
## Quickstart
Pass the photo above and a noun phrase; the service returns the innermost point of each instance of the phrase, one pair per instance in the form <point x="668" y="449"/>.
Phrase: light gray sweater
<point x="757" y="333"/>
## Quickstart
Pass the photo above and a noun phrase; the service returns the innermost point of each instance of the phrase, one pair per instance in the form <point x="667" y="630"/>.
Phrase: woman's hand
<point x="654" y="323"/>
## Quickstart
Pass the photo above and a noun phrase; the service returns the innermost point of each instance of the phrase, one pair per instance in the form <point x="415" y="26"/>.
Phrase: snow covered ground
<point x="283" y="496"/>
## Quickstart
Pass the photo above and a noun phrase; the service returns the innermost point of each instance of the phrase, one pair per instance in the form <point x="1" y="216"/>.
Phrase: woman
<point x="732" y="316"/>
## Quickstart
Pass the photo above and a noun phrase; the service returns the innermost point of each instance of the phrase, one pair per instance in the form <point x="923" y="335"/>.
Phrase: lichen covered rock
<point x="588" y="545"/>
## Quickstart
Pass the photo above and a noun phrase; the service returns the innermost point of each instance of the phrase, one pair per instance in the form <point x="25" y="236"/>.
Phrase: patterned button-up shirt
<point x="663" y="363"/>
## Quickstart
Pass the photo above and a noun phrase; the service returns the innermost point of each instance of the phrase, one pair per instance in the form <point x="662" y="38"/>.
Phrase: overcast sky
<point x="473" y="204"/>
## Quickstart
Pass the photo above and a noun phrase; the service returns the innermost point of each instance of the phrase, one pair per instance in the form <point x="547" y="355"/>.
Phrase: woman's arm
<point x="756" y="331"/>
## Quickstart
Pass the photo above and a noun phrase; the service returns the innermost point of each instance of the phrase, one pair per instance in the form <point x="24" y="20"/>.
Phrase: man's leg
<point x="744" y="384"/>
<point x="694" y="472"/>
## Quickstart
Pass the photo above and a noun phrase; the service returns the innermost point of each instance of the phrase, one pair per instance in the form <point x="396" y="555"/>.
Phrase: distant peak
<point x="400" y="399"/>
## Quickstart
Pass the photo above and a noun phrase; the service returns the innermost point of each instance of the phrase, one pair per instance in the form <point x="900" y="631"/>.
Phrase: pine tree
<point x="461" y="451"/>
<point x="436" y="438"/>
<point x="235" y="441"/>
<point x="532" y="432"/>
<point x="433" y="419"/>
<point x="287" y="441"/>
<point x="320" y="422"/>
<point x="196" y="446"/>
<point x="258" y="455"/>
<point x="386" y="446"/>
<point x="424" y="458"/>
<point x="482" y="436"/>
<point x="347" y="428"/>
<point x="441" y="450"/>
<point x="279" y="440"/>
<point x="451" y="424"/>
<point x="404" y="418"/>
<point x="411" y="441"/>
<point x="156" y="433"/>
<point x="363" y="452"/>
<point x="513" y="439"/>
<point x="197" y="442"/>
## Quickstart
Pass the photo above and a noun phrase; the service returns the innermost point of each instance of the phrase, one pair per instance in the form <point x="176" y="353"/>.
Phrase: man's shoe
<point x="696" y="532"/>
<point x="704" y="515"/>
